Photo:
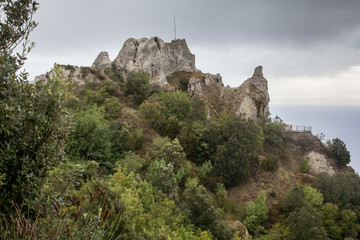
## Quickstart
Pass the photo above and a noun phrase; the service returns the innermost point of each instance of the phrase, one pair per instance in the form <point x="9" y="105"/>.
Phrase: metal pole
<point x="174" y="28"/>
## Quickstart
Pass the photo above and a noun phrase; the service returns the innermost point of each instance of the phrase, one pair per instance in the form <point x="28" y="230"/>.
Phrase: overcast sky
<point x="309" y="49"/>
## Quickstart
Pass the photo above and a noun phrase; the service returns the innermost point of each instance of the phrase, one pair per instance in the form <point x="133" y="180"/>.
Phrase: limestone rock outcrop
<point x="155" y="57"/>
<point x="101" y="62"/>
<point x="79" y="76"/>
<point x="162" y="61"/>
<point x="250" y="100"/>
<point x="319" y="164"/>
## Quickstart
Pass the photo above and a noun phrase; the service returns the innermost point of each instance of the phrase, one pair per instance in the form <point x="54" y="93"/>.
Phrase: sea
<point x="342" y="122"/>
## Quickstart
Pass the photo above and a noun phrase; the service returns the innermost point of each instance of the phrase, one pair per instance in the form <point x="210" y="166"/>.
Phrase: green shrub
<point x="113" y="108"/>
<point x="204" y="169"/>
<point x="199" y="209"/>
<point x="131" y="162"/>
<point x="274" y="131"/>
<point x="177" y="104"/>
<point x="153" y="114"/>
<point x="256" y="213"/>
<point x="305" y="165"/>
<point x="305" y="223"/>
<point x="170" y="151"/>
<point x="162" y="176"/>
<point x="137" y="87"/>
<point x="231" y="145"/>
<point x="135" y="140"/>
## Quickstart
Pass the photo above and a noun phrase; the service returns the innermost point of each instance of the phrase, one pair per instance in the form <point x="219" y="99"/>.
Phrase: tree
<point x="137" y="87"/>
<point x="34" y="123"/>
<point x="232" y="142"/>
<point x="339" y="151"/>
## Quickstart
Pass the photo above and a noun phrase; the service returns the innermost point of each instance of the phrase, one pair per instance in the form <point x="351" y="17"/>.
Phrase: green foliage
<point x="199" y="111"/>
<point x="170" y="151"/>
<point x="231" y="144"/>
<point x="94" y="139"/>
<point x="204" y="169"/>
<point x="313" y="197"/>
<point x="69" y="177"/>
<point x="300" y="196"/>
<point x="305" y="165"/>
<point x="90" y="139"/>
<point x="152" y="113"/>
<point x="192" y="139"/>
<point x="135" y="140"/>
<point x="113" y="108"/>
<point x="167" y="111"/>
<point x="341" y="189"/>
<point x="34" y="127"/>
<point x="305" y="223"/>
<point x="163" y="177"/>
<point x="16" y="24"/>
<point x="177" y="104"/>
<point x="199" y="209"/>
<point x="137" y="87"/>
<point x="131" y="162"/>
<point x="277" y="232"/>
<point x="274" y="131"/>
<point x="256" y="213"/>
<point x="339" y="151"/>
<point x="339" y="224"/>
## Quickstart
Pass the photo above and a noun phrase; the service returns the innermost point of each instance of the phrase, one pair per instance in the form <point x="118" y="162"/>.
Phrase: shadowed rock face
<point x="155" y="57"/>
<point x="160" y="60"/>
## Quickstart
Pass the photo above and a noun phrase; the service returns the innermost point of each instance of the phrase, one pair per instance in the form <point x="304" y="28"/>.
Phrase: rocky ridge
<point x="160" y="60"/>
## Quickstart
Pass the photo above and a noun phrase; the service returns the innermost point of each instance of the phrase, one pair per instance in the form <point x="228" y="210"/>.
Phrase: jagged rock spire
<point x="101" y="62"/>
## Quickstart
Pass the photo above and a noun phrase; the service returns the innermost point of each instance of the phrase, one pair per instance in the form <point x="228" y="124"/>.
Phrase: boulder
<point x="318" y="163"/>
<point x="241" y="229"/>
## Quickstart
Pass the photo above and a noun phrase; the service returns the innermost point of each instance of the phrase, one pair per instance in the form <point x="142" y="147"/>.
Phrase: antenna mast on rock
<point x="174" y="28"/>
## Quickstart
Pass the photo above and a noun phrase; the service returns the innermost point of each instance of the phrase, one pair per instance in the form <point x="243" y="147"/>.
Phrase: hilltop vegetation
<point x="120" y="159"/>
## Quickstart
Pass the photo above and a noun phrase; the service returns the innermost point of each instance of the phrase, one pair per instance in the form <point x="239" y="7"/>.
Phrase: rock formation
<point x="78" y="75"/>
<point x="101" y="62"/>
<point x="250" y="99"/>
<point x="161" y="61"/>
<point x="156" y="58"/>
<point x="319" y="164"/>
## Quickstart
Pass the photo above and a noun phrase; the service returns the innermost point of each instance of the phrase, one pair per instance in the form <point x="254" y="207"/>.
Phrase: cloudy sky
<point x="309" y="49"/>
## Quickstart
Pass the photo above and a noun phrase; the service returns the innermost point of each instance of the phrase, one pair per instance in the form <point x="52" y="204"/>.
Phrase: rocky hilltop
<point x="162" y="61"/>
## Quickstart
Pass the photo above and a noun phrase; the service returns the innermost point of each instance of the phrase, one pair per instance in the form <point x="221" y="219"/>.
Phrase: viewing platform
<point x="298" y="129"/>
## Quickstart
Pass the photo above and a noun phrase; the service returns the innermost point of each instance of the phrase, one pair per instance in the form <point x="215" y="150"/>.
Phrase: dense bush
<point x="199" y="209"/>
<point x="305" y="223"/>
<point x="256" y="213"/>
<point x="274" y="131"/>
<point x="137" y="87"/>
<point x="167" y="112"/>
<point x="232" y="144"/>
<point x="341" y="189"/>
